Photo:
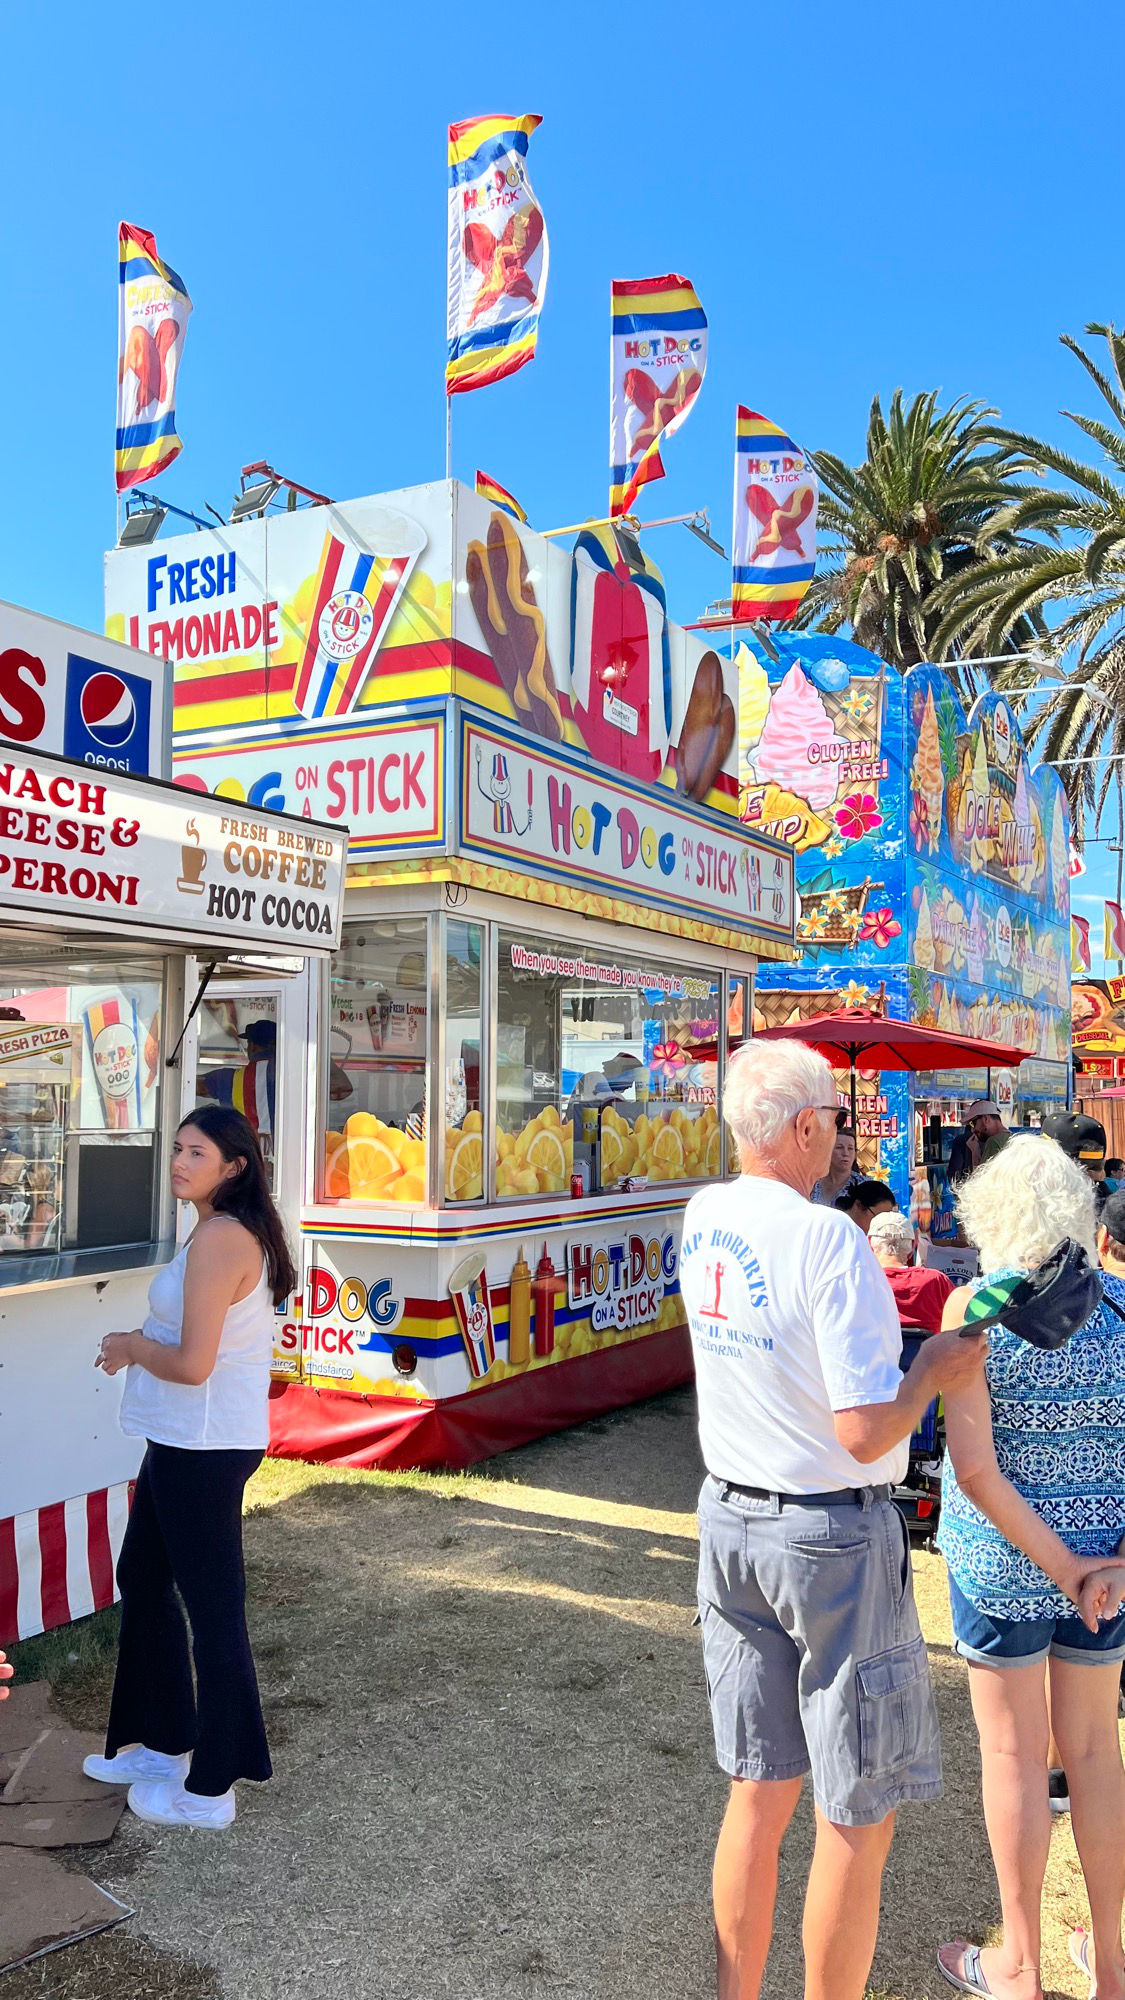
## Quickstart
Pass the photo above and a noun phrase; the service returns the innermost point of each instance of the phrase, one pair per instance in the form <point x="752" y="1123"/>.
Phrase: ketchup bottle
<point x="544" y="1286"/>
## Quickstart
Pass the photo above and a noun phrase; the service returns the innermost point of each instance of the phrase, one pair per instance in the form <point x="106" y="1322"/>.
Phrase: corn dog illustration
<point x="514" y="627"/>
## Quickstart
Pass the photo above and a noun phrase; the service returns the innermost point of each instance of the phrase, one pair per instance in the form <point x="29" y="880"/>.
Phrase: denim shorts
<point x="1022" y="1642"/>
<point x="812" y="1649"/>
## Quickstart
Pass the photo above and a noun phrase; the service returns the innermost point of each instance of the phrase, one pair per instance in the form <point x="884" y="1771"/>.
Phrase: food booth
<point x="933" y="876"/>
<point x="121" y="900"/>
<point x="552" y="923"/>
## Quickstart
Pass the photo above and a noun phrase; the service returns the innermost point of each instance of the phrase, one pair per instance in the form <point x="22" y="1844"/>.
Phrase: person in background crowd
<point x="842" y="1170"/>
<point x="1082" y="1139"/>
<point x="197" y="1392"/>
<point x="6" y="1672"/>
<point x="813" y="1655"/>
<point x="865" y="1200"/>
<point x="919" y="1293"/>
<point x="1033" y="1515"/>
<point x="1111" y="1235"/>
<point x="1114" y="1171"/>
<point x="251" y="1088"/>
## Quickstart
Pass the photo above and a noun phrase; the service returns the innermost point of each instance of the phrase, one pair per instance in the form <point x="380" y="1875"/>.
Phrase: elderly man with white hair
<point x="919" y="1292"/>
<point x="813" y="1653"/>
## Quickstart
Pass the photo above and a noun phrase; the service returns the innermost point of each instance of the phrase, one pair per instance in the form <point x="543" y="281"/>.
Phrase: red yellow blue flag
<point x="497" y="252"/>
<point x="775" y="500"/>
<point x="153" y="312"/>
<point x="499" y="496"/>
<point x="657" y="361"/>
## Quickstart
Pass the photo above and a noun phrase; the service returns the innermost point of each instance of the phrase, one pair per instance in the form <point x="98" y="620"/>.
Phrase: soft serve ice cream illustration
<point x="926" y="776"/>
<point x="799" y="750"/>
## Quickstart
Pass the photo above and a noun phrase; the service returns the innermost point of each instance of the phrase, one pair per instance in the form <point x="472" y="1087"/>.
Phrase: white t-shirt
<point x="230" y="1410"/>
<point x="791" y="1318"/>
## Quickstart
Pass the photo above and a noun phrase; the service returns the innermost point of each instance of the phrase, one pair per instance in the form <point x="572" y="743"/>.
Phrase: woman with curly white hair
<point x="1033" y="1507"/>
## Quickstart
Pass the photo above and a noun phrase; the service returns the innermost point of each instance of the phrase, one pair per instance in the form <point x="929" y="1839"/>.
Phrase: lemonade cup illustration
<point x="468" y="1288"/>
<point x="357" y="592"/>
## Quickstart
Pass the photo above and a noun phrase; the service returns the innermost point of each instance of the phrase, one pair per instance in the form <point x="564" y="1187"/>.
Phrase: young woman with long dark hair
<point x="196" y="1391"/>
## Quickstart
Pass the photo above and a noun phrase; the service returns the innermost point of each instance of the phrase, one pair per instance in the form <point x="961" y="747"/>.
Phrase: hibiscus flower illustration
<point x="666" y="1059"/>
<point x="919" y="821"/>
<point x="858" y="815"/>
<point x="879" y="927"/>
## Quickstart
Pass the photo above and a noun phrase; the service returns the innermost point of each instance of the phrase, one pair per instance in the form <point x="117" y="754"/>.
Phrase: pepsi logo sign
<point x="107" y="719"/>
<point x="108" y="710"/>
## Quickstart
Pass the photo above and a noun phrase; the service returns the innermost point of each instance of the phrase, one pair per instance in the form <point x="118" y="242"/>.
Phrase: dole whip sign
<point x="590" y="827"/>
<point x="134" y="854"/>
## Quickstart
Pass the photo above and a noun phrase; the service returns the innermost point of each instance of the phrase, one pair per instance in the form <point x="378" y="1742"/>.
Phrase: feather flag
<point x="1080" y="944"/>
<point x="497" y="252"/>
<point x="775" y="502"/>
<point x="153" y="312"/>
<point x="1114" y="930"/>
<point x="499" y="496"/>
<point x="657" y="361"/>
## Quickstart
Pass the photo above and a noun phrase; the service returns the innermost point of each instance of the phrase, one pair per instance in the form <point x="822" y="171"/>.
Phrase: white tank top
<point x="230" y="1410"/>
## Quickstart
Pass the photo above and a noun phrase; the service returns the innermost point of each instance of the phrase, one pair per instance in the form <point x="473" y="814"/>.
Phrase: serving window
<point x="375" y="1144"/>
<point x="606" y="1067"/>
<point x="470" y="1061"/>
<point x="80" y="1091"/>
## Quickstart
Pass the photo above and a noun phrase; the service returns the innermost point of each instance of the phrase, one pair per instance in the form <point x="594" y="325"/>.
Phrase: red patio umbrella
<point x="854" y="1032"/>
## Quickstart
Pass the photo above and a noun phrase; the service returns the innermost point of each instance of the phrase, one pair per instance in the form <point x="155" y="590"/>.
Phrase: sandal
<point x="1078" y="1945"/>
<point x="971" y="1979"/>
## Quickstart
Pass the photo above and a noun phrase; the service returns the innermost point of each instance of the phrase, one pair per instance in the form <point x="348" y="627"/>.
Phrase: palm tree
<point x="915" y="513"/>
<point x="1064" y="570"/>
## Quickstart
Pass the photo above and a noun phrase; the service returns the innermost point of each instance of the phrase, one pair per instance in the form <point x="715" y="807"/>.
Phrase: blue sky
<point x="863" y="196"/>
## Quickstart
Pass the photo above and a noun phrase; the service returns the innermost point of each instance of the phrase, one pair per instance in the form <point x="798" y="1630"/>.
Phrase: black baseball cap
<point x="1081" y="1138"/>
<point x="260" y="1035"/>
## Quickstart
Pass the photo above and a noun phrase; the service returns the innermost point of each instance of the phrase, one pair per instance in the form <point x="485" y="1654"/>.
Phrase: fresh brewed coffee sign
<point x="139" y="856"/>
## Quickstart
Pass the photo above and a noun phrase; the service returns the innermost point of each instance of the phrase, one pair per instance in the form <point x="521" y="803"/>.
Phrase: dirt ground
<point x="494" y="1773"/>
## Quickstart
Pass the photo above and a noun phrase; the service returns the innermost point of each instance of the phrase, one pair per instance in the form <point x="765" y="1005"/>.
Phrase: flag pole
<point x="448" y="436"/>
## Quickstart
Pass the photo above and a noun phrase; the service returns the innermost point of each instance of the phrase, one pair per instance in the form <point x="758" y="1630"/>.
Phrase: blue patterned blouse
<point x="1058" y="1421"/>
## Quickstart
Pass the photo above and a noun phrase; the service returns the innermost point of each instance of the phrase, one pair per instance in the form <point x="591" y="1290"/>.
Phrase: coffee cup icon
<point x="193" y="861"/>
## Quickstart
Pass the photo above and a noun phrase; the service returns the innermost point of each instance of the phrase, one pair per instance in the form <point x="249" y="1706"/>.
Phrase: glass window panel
<point x="605" y="1066"/>
<point x="80" y="1076"/>
<point x="463" y="1167"/>
<point x="375" y="1145"/>
<point x="237" y="1062"/>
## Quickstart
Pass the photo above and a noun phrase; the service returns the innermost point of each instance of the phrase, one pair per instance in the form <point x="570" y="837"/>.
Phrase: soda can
<point x="577" y="1187"/>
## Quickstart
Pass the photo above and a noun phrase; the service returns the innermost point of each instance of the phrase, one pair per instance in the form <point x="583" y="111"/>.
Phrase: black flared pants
<point x="185" y="1534"/>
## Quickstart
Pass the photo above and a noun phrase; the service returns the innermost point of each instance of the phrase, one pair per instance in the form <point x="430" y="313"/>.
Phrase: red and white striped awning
<point x="57" y="1563"/>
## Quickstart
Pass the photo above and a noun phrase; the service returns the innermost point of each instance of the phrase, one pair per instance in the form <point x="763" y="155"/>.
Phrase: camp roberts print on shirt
<point x="726" y="1277"/>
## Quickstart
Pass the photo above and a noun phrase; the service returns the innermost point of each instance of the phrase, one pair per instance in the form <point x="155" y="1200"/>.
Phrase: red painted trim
<point x="9" y="1583"/>
<point x="99" y="1553"/>
<point x="52" y="1550"/>
<point x="331" y="1427"/>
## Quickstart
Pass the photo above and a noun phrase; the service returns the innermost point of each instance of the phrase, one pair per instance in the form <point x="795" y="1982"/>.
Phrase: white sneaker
<point x="168" y="1804"/>
<point x="136" y="1766"/>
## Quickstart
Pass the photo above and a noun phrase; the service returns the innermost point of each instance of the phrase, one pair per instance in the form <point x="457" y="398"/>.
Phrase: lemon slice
<point x="465" y="1170"/>
<point x="370" y="1159"/>
<point x="546" y="1155"/>
<point x="668" y="1152"/>
<point x="612" y="1149"/>
<point x="712" y="1161"/>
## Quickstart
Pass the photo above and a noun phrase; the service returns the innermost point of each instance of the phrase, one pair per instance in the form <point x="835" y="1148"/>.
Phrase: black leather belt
<point x="843" y="1496"/>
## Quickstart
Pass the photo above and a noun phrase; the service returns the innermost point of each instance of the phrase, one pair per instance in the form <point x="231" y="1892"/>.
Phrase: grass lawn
<point x="494" y="1774"/>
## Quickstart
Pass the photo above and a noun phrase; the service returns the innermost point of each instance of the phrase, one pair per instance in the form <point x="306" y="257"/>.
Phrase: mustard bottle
<point x="519" y="1314"/>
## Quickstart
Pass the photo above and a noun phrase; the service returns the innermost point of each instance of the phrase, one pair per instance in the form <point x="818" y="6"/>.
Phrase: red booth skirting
<point x="331" y="1427"/>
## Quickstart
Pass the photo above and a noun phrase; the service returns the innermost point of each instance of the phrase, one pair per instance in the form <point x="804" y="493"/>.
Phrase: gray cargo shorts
<point x="812" y="1649"/>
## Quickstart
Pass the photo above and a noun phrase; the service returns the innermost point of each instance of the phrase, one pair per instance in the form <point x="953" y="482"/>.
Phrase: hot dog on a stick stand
<point x="120" y="895"/>
<point x="550" y="906"/>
